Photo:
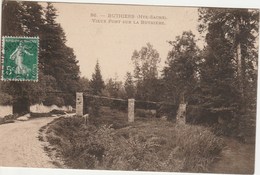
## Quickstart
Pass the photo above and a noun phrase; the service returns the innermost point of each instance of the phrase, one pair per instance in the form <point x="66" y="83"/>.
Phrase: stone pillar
<point x="131" y="110"/>
<point x="181" y="113"/>
<point x="79" y="104"/>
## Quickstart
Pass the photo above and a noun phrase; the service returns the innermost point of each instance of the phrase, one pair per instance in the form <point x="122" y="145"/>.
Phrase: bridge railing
<point x="131" y="104"/>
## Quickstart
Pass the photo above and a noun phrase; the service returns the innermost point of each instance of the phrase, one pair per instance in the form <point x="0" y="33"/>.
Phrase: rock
<point x="24" y="117"/>
<point x="27" y="115"/>
<point x="11" y="117"/>
<point x="70" y="114"/>
<point x="164" y="118"/>
<point x="153" y="112"/>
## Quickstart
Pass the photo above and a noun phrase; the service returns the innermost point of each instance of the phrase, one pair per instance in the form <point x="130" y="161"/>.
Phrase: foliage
<point x="237" y="27"/>
<point x="181" y="71"/>
<point x="59" y="60"/>
<point x="114" y="88"/>
<point x="96" y="83"/>
<point x="129" y="86"/>
<point x="228" y="68"/>
<point x="58" y="69"/>
<point x="94" y="107"/>
<point x="151" y="146"/>
<point x="146" y="63"/>
<point x="5" y="99"/>
<point x="8" y="119"/>
<point x="83" y="84"/>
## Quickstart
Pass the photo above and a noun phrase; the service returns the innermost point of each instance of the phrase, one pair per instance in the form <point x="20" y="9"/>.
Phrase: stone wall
<point x="6" y="110"/>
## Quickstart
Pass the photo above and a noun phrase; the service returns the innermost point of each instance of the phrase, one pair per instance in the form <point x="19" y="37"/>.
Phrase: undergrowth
<point x="153" y="145"/>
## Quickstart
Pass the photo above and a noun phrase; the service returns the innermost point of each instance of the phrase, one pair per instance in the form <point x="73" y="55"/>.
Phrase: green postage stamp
<point x="20" y="58"/>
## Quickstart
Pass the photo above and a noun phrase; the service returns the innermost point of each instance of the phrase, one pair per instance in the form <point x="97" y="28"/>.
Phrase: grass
<point x="110" y="143"/>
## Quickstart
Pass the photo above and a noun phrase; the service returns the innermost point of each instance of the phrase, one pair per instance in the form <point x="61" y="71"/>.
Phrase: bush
<point x="145" y="113"/>
<point x="38" y="115"/>
<point x="168" y="110"/>
<point x="54" y="100"/>
<point x="57" y="111"/>
<point x="95" y="106"/>
<point x="8" y="118"/>
<point x="5" y="99"/>
<point x="151" y="146"/>
<point x="199" y="147"/>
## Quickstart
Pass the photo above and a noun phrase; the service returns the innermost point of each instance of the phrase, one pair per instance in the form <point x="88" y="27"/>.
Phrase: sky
<point x="113" y="44"/>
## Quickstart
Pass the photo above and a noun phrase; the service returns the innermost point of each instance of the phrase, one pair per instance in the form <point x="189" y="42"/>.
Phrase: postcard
<point x="132" y="88"/>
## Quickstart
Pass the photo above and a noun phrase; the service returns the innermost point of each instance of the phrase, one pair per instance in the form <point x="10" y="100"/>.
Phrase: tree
<point x="228" y="71"/>
<point x="11" y="18"/>
<point x="18" y="20"/>
<point x="57" y="59"/>
<point x="114" y="88"/>
<point x="217" y="73"/>
<point x="83" y="84"/>
<point x="32" y="19"/>
<point x="57" y="66"/>
<point x="240" y="29"/>
<point x="180" y="74"/>
<point x="146" y="72"/>
<point x="96" y="83"/>
<point x="129" y="86"/>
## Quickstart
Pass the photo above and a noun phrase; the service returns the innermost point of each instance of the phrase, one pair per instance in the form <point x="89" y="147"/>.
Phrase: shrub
<point x="5" y="99"/>
<point x="56" y="111"/>
<point x="199" y="147"/>
<point x="38" y="115"/>
<point x="54" y="99"/>
<point x="145" y="113"/>
<point x="95" y="106"/>
<point x="169" y="110"/>
<point x="151" y="146"/>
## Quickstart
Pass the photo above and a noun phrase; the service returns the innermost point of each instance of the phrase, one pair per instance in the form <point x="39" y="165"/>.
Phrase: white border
<point x="187" y="3"/>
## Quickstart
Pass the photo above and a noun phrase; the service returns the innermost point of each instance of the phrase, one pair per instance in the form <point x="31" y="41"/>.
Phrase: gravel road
<point x="20" y="147"/>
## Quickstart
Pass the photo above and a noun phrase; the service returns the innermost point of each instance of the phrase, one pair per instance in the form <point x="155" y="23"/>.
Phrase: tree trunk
<point x="239" y="70"/>
<point x="21" y="106"/>
<point x="239" y="64"/>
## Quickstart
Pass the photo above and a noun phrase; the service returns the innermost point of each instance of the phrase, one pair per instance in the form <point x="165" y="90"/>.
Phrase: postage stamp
<point x="20" y="58"/>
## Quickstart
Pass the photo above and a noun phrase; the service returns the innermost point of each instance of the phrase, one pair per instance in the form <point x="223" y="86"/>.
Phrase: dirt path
<point x="20" y="146"/>
<point x="236" y="158"/>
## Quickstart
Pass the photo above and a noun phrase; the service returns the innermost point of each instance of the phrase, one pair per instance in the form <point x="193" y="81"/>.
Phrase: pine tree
<point x="129" y="86"/>
<point x="11" y="18"/>
<point x="58" y="69"/>
<point x="240" y="28"/>
<point x="59" y="60"/>
<point x="96" y="83"/>
<point x="218" y="73"/>
<point x="228" y="72"/>
<point x="23" y="19"/>
<point x="114" y="88"/>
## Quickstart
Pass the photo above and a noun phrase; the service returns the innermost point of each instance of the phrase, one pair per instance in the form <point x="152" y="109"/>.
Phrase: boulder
<point x="24" y="117"/>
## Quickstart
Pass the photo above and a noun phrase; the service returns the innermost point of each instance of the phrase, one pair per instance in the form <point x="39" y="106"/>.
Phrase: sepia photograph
<point x="124" y="87"/>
